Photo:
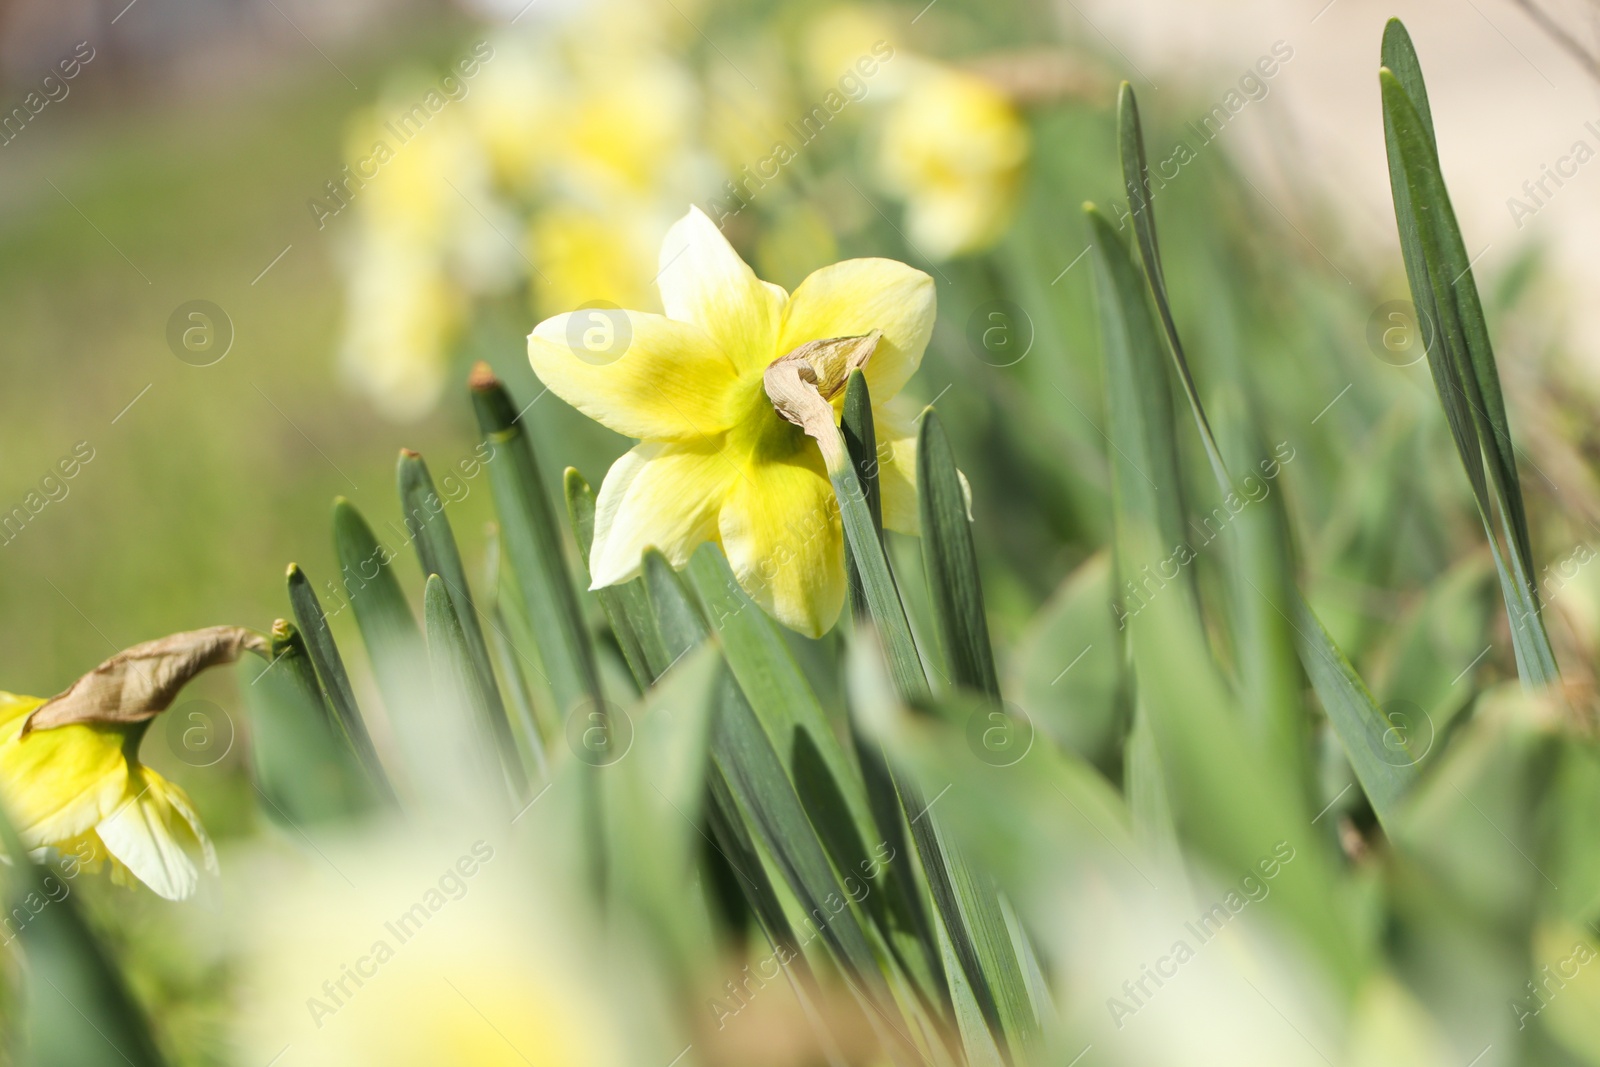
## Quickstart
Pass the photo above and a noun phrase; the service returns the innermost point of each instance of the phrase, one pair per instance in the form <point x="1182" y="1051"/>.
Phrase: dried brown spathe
<point x="141" y="682"/>
<point x="802" y="384"/>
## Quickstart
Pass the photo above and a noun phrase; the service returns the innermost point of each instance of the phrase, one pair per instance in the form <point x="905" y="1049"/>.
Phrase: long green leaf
<point x="864" y="540"/>
<point x="966" y="901"/>
<point x="305" y="771"/>
<point x="1228" y="798"/>
<point x="460" y="730"/>
<point x="626" y="606"/>
<point x="79" y="1009"/>
<point x="861" y="443"/>
<point x="532" y="543"/>
<point x="389" y="630"/>
<point x="818" y="766"/>
<point x="324" y="653"/>
<point x="1462" y="357"/>
<point x="1385" y="760"/>
<point x="950" y="560"/>
<point x="436" y="550"/>
<point x="1262" y="570"/>
<point x="758" y="782"/>
<point x="1356" y="719"/>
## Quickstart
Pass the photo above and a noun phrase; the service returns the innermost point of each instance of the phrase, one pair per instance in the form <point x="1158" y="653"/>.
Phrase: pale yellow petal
<point x="781" y="533"/>
<point x="858" y="296"/>
<point x="895" y="425"/>
<point x="59" y="783"/>
<point x="663" y="496"/>
<point x="13" y="707"/>
<point x="704" y="281"/>
<point x="151" y="833"/>
<point x="644" y="376"/>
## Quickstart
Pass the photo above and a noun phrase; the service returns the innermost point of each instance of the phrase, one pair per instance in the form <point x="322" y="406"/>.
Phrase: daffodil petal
<point x="856" y="297"/>
<point x="780" y="530"/>
<point x="895" y="425"/>
<point x="13" y="709"/>
<point x="180" y="803"/>
<point x="644" y="376"/>
<point x="59" y="783"/>
<point x="663" y="496"/>
<point x="144" y="834"/>
<point x="704" y="281"/>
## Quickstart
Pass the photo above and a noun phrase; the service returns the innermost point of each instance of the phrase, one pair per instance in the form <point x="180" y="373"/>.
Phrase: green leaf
<point x="507" y="641"/>
<point x="303" y="769"/>
<point x="1260" y="547"/>
<point x="783" y="700"/>
<point x="532" y="544"/>
<point x="1136" y="182"/>
<point x="1261" y="563"/>
<point x="324" y="653"/>
<point x="951" y="562"/>
<point x="861" y="444"/>
<point x="976" y="1040"/>
<point x="757" y="778"/>
<point x="437" y="551"/>
<point x="1380" y="749"/>
<point x="458" y="732"/>
<point x="654" y="796"/>
<point x="1228" y="798"/>
<point x="79" y="1009"/>
<point x="965" y="900"/>
<point x="796" y="724"/>
<point x="394" y="643"/>
<point x="1146" y="486"/>
<point x="864" y="540"/>
<point x="626" y="606"/>
<point x="1067" y="671"/>
<point x="1462" y="357"/>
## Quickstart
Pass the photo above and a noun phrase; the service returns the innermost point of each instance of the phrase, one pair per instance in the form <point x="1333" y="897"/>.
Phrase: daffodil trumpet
<point x="70" y="775"/>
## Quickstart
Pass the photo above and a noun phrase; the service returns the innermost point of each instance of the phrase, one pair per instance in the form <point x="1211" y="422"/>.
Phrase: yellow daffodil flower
<point x="953" y="148"/>
<point x="81" y="790"/>
<point x="70" y="776"/>
<point x="716" y="461"/>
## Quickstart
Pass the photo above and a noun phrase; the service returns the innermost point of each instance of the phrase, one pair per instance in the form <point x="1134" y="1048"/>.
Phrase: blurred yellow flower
<point x="81" y="789"/>
<point x="839" y="37"/>
<point x="717" y="462"/>
<point x="586" y="255"/>
<point x="954" y="149"/>
<point x="403" y="311"/>
<point x="448" y="952"/>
